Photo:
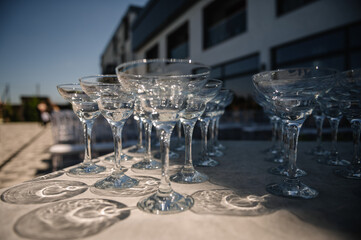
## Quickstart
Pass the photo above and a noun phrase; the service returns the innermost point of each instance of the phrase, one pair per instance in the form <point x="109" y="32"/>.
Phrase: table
<point x="232" y="205"/>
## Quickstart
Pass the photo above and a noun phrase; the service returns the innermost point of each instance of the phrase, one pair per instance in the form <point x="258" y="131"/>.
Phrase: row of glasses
<point x="331" y="107"/>
<point x="293" y="94"/>
<point x="205" y="160"/>
<point x="163" y="87"/>
<point x="351" y="109"/>
<point x="116" y="105"/>
<point x="213" y="148"/>
<point x="195" y="106"/>
<point x="87" y="111"/>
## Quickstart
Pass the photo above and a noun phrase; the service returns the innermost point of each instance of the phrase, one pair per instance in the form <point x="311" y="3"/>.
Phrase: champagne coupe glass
<point x="196" y="104"/>
<point x="218" y="112"/>
<point x="116" y="106"/>
<point x="330" y="106"/>
<point x="274" y="120"/>
<point x="147" y="163"/>
<point x="163" y="86"/>
<point x="351" y="108"/>
<point x="293" y="93"/>
<point x="205" y="160"/>
<point x="282" y="150"/>
<point x="87" y="111"/>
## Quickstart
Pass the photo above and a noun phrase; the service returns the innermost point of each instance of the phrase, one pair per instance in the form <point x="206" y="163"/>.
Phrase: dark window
<point x="122" y="58"/>
<point x="109" y="69"/>
<point x="339" y="48"/>
<point x="223" y="19"/>
<point x="286" y="6"/>
<point x="242" y="66"/>
<point x="115" y="44"/>
<point x="126" y="28"/>
<point x="152" y="52"/>
<point x="178" y="46"/>
<point x="237" y="74"/>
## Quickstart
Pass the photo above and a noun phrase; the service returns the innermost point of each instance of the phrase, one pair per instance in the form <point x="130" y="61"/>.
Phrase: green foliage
<point x="30" y="110"/>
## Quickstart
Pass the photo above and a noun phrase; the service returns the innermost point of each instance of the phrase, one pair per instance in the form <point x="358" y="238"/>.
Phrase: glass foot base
<point x="167" y="204"/>
<point x="116" y="181"/>
<point x="205" y="162"/>
<point x="135" y="150"/>
<point x="219" y="146"/>
<point x="147" y="165"/>
<point x="216" y="153"/>
<point x="282" y="171"/>
<point x="172" y="155"/>
<point x="350" y="172"/>
<point x="146" y="186"/>
<point x="292" y="188"/>
<point x="180" y="148"/>
<point x="189" y="177"/>
<point x="333" y="161"/>
<point x="318" y="151"/>
<point x="275" y="158"/>
<point x="110" y="159"/>
<point x="86" y="170"/>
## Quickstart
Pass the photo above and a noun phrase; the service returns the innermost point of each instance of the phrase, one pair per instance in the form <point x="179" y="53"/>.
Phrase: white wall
<point x="264" y="29"/>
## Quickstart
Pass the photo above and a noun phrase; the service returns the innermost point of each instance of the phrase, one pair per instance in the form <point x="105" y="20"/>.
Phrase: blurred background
<point x="44" y="43"/>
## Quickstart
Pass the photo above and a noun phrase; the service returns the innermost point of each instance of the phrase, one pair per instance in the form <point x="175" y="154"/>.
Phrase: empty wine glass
<point x="351" y="108"/>
<point x="116" y="106"/>
<point x="205" y="160"/>
<point x="87" y="111"/>
<point x="330" y="106"/>
<point x="163" y="86"/>
<point x="275" y="152"/>
<point x="148" y="162"/>
<point x="281" y="154"/>
<point x="293" y="93"/>
<point x="218" y="112"/>
<point x="196" y="104"/>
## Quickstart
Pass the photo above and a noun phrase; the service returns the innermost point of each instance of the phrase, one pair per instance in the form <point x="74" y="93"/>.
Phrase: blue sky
<point x="48" y="42"/>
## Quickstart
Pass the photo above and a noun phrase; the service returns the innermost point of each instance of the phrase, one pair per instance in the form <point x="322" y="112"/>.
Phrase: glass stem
<point x="293" y="131"/>
<point x="285" y="142"/>
<point x="88" y="126"/>
<point x="356" y="129"/>
<point x="140" y="132"/>
<point x="212" y="126"/>
<point x="204" y="132"/>
<point x="188" y="126"/>
<point x="319" y="123"/>
<point x="179" y="131"/>
<point x="165" y="188"/>
<point x="279" y="136"/>
<point x="117" y="128"/>
<point x="148" y="136"/>
<point x="334" y="122"/>
<point x="273" y="120"/>
<point x="216" y="129"/>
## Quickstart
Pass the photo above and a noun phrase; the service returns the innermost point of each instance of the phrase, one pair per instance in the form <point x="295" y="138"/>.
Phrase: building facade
<point x="241" y="37"/>
<point x="119" y="48"/>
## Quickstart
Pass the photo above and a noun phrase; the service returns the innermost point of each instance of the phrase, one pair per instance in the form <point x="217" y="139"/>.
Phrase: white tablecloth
<point x="232" y="205"/>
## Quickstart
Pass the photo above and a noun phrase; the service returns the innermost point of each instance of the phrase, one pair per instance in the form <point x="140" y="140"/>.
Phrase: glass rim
<point x="68" y="84"/>
<point x="164" y="60"/>
<point x="332" y="72"/>
<point x="84" y="78"/>
<point x="355" y="70"/>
